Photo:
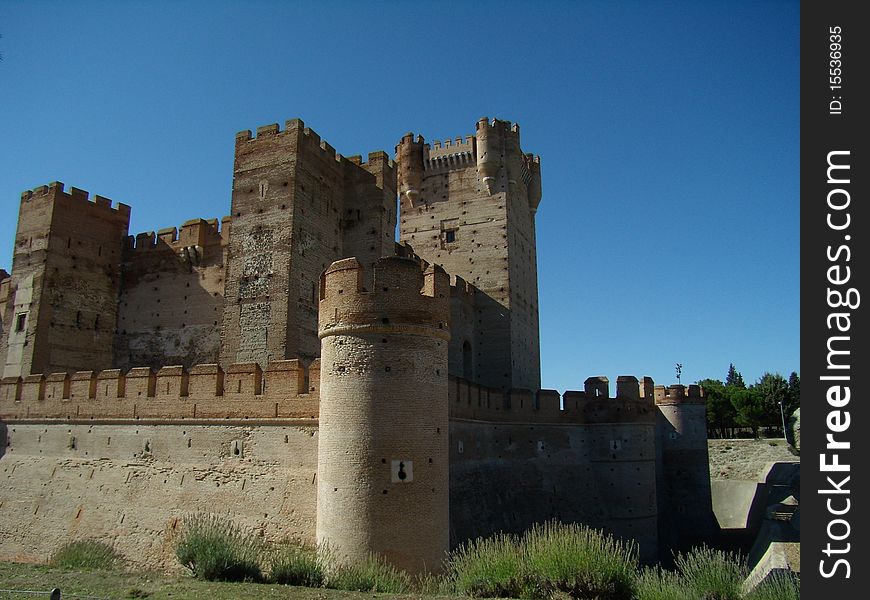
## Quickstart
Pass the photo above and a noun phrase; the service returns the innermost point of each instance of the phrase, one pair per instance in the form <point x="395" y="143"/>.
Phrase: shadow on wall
<point x="171" y="305"/>
<point x="740" y="505"/>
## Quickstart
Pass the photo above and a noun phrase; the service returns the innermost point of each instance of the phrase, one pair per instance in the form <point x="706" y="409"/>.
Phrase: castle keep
<point x="294" y="366"/>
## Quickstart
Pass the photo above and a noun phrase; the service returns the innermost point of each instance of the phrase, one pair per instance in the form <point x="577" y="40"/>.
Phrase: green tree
<point x="734" y="378"/>
<point x="751" y="411"/>
<point x="772" y="389"/>
<point x="720" y="412"/>
<point x="794" y="393"/>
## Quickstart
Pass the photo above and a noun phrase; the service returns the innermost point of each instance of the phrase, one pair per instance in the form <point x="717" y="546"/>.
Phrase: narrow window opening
<point x="20" y="322"/>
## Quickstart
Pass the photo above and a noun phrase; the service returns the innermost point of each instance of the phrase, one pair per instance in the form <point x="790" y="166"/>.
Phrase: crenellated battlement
<point x="679" y="394"/>
<point x="194" y="232"/>
<point x="283" y="390"/>
<point x="79" y="198"/>
<point x="458" y="146"/>
<point x="461" y="288"/>
<point x="406" y="294"/>
<point x="448" y="162"/>
<point x="470" y="401"/>
<point x="312" y="141"/>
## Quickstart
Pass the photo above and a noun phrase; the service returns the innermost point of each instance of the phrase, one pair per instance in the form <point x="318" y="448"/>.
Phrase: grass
<point x="216" y="549"/>
<point x="487" y="568"/>
<point x="578" y="561"/>
<point x="291" y="564"/>
<point x="548" y="560"/>
<point x="119" y="584"/>
<point x="712" y="574"/>
<point x="85" y="554"/>
<point x="778" y="586"/>
<point x="656" y="584"/>
<point x="374" y="575"/>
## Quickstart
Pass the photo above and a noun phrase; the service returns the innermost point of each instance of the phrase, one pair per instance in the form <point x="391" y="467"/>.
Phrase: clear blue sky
<point x="668" y="134"/>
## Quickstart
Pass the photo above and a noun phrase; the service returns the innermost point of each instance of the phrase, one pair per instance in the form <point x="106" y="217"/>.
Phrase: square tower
<point x="297" y="206"/>
<point x="469" y="205"/>
<point x="62" y="298"/>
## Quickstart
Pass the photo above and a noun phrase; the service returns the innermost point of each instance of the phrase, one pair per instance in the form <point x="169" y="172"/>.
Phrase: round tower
<point x="490" y="152"/>
<point x="409" y="156"/>
<point x="382" y="465"/>
<point x="685" y="501"/>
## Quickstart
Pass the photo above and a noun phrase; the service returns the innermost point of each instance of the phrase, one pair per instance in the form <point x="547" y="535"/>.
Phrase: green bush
<point x="487" y="568"/>
<point x="657" y="584"/>
<point x="712" y="574"/>
<point x="550" y="559"/>
<point x="578" y="561"/>
<point x="216" y="549"/>
<point x="374" y="575"/>
<point x="296" y="565"/>
<point x="85" y="554"/>
<point x="778" y="586"/>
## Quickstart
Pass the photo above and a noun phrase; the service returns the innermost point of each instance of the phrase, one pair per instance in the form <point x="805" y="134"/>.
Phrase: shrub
<point x="777" y="586"/>
<point x="487" y="567"/>
<point x="216" y="549"/>
<point x="657" y="584"/>
<point x="296" y="565"/>
<point x="578" y="561"/>
<point x="85" y="554"/>
<point x="712" y="574"/>
<point x="373" y="575"/>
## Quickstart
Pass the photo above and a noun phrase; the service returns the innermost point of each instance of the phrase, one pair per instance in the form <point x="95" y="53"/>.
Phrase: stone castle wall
<point x="167" y="447"/>
<point x="130" y="484"/>
<point x="171" y="303"/>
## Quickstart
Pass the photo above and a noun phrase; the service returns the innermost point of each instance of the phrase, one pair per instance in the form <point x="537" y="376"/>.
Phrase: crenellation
<point x="285" y="389"/>
<point x="33" y="387"/>
<point x="172" y="383"/>
<point x="205" y="382"/>
<point x="167" y="235"/>
<point x="243" y="380"/>
<point x="82" y="386"/>
<point x="140" y="383"/>
<point x="57" y="386"/>
<point x="111" y="385"/>
<point x="267" y="130"/>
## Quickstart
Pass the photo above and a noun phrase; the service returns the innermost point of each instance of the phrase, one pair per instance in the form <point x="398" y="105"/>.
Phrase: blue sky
<point x="668" y="134"/>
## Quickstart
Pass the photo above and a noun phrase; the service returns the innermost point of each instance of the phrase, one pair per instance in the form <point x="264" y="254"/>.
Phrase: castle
<point x="295" y="367"/>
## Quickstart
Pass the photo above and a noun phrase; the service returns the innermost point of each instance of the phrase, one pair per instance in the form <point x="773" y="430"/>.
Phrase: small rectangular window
<point x="20" y="322"/>
<point x="450" y="236"/>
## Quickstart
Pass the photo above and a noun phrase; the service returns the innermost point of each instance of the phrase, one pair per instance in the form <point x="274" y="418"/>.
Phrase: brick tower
<point x="297" y="206"/>
<point x="382" y="462"/>
<point x="66" y="271"/>
<point x="469" y="206"/>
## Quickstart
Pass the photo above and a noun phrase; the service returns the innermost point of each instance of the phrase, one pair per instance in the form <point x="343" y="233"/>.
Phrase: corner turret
<point x="409" y="155"/>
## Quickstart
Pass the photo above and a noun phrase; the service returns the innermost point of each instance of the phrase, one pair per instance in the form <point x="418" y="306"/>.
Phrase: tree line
<point x="733" y="404"/>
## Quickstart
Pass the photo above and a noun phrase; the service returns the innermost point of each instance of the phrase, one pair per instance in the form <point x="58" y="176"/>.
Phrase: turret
<point x="490" y="153"/>
<point x="382" y="466"/>
<point x="534" y="165"/>
<point x="684" y="469"/>
<point x="409" y="154"/>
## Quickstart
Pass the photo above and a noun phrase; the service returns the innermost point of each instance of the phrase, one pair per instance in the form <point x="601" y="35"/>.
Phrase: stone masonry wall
<point x="171" y="303"/>
<point x="469" y="206"/>
<point x="130" y="484"/>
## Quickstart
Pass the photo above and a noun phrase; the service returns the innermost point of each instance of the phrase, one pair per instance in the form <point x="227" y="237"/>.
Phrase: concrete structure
<point x="295" y="367"/>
